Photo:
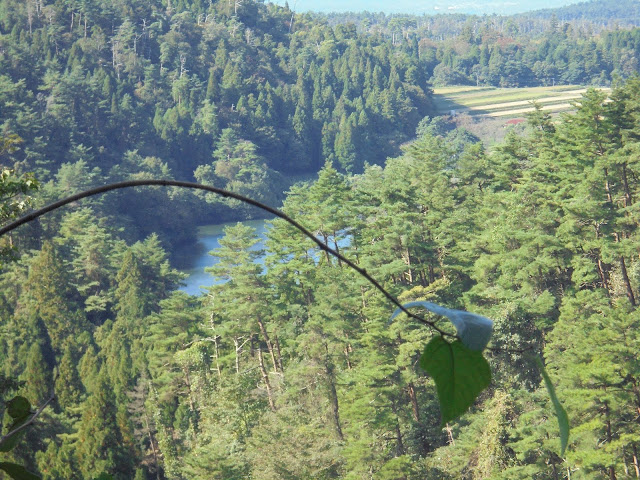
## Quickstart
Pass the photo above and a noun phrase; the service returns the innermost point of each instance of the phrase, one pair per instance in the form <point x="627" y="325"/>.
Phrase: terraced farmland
<point x="505" y="102"/>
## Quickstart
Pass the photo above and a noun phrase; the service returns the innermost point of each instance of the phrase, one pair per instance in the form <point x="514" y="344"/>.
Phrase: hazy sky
<point x="425" y="6"/>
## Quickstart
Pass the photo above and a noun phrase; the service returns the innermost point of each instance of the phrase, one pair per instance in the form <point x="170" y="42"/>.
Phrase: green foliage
<point x="14" y="193"/>
<point x="103" y="448"/>
<point x="37" y="376"/>
<point x="460" y="375"/>
<point x="179" y="77"/>
<point x="13" y="189"/>
<point x="288" y="369"/>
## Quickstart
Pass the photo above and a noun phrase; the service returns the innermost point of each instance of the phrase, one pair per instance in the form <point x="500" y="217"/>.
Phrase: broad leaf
<point x="18" y="472"/>
<point x="474" y="330"/>
<point x="18" y="407"/>
<point x="11" y="441"/>
<point x="561" y="413"/>
<point x="460" y="375"/>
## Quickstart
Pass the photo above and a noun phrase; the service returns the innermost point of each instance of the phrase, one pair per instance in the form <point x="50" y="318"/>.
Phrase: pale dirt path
<point x="559" y="106"/>
<point x="559" y="98"/>
<point x="533" y="92"/>
<point x="480" y="111"/>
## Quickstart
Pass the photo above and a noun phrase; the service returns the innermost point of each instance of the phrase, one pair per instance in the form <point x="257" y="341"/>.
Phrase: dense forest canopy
<point x="290" y="369"/>
<point x="589" y="43"/>
<point x="166" y="84"/>
<point x="596" y="14"/>
<point x="426" y="7"/>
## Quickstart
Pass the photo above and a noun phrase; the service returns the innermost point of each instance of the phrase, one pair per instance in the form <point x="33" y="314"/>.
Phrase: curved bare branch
<point x="227" y="194"/>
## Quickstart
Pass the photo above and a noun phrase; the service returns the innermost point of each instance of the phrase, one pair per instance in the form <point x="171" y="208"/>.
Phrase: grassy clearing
<point x="523" y="97"/>
<point x="505" y="102"/>
<point x="528" y="103"/>
<point x="555" y="108"/>
<point x="471" y="90"/>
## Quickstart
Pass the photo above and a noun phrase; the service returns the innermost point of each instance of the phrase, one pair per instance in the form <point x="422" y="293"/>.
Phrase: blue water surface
<point x="192" y="260"/>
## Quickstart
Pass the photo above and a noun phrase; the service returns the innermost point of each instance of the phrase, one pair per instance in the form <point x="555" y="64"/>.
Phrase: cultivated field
<point x="505" y="102"/>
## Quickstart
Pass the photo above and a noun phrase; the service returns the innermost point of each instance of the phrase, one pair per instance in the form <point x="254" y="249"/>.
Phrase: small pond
<point x="192" y="260"/>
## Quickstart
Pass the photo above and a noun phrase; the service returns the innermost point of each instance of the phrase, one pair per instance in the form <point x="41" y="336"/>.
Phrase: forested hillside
<point x="590" y="43"/>
<point x="593" y="15"/>
<point x="292" y="370"/>
<point x="603" y="12"/>
<point x="231" y="94"/>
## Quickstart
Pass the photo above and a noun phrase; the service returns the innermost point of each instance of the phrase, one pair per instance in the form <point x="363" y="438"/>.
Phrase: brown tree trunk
<point x="333" y="394"/>
<point x="30" y="16"/>
<point x="414" y="401"/>
<point x="607" y="187"/>
<point x="280" y="365"/>
<point x="336" y="248"/>
<point x="603" y="274"/>
<point x="636" y="393"/>
<point x="192" y="404"/>
<point x="347" y="350"/>
<point x="216" y="354"/>
<point x="267" y="340"/>
<point x="612" y="470"/>
<point x="406" y="256"/>
<point x="216" y="346"/>
<point x="326" y="254"/>
<point x="265" y="377"/>
<point x="636" y="464"/>
<point x="628" y="199"/>
<point x="238" y="347"/>
<point x="153" y="445"/>
<point x="627" y="282"/>
<point x="364" y="299"/>
<point x="450" y="435"/>
<point x="399" y="443"/>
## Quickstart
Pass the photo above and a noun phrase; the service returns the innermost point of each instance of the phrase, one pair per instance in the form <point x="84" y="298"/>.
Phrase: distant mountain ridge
<point x="625" y="12"/>
<point x="429" y="7"/>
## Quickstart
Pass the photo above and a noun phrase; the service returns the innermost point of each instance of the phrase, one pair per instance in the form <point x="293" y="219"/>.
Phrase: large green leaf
<point x="11" y="441"/>
<point x="18" y="472"/>
<point x="561" y="413"/>
<point x="19" y="409"/>
<point x="459" y="372"/>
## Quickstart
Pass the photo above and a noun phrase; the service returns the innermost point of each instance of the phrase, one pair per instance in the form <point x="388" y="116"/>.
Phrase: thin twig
<point x="227" y="194"/>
